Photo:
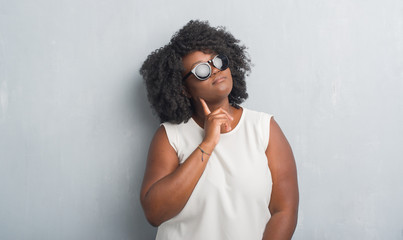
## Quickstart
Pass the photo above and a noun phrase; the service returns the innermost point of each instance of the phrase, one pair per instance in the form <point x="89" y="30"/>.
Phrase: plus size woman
<point x="215" y="170"/>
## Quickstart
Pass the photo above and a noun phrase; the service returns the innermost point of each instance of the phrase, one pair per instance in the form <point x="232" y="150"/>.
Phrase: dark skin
<point x="167" y="185"/>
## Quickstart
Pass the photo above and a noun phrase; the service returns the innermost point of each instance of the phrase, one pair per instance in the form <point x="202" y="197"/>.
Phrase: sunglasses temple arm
<point x="187" y="75"/>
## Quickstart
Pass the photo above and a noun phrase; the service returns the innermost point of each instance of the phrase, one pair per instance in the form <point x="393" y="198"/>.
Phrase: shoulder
<point x="259" y="119"/>
<point x="256" y="115"/>
<point x="168" y="125"/>
<point x="259" y="123"/>
<point x="176" y="132"/>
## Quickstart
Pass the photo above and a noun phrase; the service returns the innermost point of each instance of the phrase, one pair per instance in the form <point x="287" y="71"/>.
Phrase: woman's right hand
<point x="215" y="123"/>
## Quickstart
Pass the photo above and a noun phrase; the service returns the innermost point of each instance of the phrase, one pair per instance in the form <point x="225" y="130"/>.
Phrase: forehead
<point x="196" y="57"/>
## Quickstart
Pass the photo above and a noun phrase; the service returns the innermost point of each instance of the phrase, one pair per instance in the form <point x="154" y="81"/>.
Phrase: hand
<point x="215" y="123"/>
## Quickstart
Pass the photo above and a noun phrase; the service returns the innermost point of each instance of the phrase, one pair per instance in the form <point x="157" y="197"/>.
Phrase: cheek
<point x="195" y="92"/>
<point x="229" y="74"/>
<point x="191" y="89"/>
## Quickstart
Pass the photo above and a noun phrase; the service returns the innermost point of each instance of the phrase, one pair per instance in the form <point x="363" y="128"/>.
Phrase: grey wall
<point x="75" y="123"/>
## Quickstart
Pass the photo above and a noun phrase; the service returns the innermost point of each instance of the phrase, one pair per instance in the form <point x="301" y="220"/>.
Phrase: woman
<point x="215" y="170"/>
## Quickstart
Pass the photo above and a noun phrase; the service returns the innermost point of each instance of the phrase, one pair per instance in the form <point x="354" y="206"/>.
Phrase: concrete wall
<point x="75" y="124"/>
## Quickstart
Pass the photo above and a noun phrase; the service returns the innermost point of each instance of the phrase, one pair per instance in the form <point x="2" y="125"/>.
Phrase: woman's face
<point x="217" y="87"/>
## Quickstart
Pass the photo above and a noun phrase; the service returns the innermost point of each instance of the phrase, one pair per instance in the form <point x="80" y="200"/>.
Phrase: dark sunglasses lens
<point x="221" y="62"/>
<point x="202" y="71"/>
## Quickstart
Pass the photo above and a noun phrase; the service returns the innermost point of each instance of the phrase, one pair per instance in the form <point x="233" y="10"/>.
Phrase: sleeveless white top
<point x="231" y="198"/>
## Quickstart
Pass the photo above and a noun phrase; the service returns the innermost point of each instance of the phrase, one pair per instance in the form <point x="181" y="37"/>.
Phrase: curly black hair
<point x="162" y="70"/>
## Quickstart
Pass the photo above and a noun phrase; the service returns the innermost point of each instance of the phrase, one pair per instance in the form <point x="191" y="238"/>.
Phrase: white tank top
<point x="231" y="198"/>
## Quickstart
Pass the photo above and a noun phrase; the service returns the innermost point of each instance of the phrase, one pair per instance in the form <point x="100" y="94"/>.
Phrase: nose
<point x="214" y="70"/>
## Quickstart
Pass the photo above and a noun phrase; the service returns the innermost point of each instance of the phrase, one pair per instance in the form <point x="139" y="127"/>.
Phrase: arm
<point x="167" y="185"/>
<point x="284" y="198"/>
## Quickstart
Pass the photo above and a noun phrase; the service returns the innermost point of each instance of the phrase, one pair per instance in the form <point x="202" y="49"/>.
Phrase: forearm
<point x="281" y="225"/>
<point x="167" y="197"/>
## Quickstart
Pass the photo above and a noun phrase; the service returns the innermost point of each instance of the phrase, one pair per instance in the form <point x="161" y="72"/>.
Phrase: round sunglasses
<point x="202" y="71"/>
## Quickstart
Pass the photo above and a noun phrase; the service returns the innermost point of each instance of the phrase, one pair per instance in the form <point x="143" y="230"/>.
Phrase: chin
<point x="224" y="90"/>
<point x="219" y="96"/>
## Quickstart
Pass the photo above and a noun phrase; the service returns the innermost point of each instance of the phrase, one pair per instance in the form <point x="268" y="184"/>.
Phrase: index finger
<point x="205" y="107"/>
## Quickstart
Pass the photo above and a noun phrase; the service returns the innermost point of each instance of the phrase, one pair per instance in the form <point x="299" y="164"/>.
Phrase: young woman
<point x="215" y="170"/>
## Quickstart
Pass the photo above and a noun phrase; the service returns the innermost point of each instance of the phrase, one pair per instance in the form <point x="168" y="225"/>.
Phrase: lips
<point x="218" y="80"/>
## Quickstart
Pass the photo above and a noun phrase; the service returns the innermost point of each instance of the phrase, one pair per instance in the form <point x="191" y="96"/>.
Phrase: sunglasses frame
<point x="208" y="64"/>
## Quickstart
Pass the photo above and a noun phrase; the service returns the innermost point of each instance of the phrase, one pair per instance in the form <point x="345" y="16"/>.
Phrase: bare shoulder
<point x="161" y="152"/>
<point x="279" y="153"/>
<point x="162" y="159"/>
<point x="277" y="137"/>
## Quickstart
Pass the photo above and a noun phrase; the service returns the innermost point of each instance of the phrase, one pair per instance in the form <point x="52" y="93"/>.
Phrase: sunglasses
<point x="202" y="71"/>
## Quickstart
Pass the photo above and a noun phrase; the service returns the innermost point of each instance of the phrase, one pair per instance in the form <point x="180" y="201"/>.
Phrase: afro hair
<point x="162" y="70"/>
